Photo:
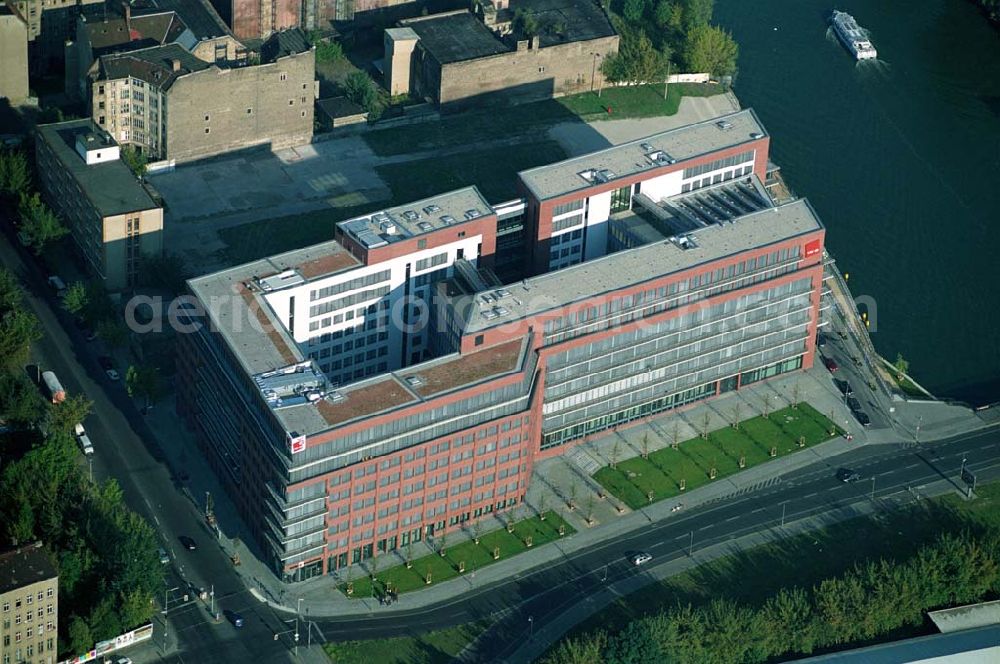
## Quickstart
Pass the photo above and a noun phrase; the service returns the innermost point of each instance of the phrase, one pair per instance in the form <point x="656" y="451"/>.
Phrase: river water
<point x="901" y="159"/>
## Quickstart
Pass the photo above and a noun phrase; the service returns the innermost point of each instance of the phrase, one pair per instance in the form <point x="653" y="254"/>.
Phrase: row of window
<point x="718" y="164"/>
<point x="352" y="284"/>
<point x="350" y="300"/>
<point x="567" y="207"/>
<point x="568" y="222"/>
<point x="433" y="261"/>
<point x="716" y="179"/>
<point x="28" y="598"/>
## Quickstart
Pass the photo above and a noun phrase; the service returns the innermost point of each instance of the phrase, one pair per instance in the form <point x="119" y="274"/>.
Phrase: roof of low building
<point x="114" y="34"/>
<point x="339" y="107"/>
<point x="152" y="65"/>
<point x="971" y="646"/>
<point x="110" y="186"/>
<point x="25" y="566"/>
<point x="198" y="15"/>
<point x="284" y="43"/>
<point x="563" y="21"/>
<point x="455" y="36"/>
<point x="627" y="159"/>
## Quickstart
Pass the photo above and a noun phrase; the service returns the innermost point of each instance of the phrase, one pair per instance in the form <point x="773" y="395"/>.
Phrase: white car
<point x="83" y="439"/>
<point x="640" y="559"/>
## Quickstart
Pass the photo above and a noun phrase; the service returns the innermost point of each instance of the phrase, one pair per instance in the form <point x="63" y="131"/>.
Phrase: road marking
<point x="705" y="527"/>
<point x="810" y="495"/>
<point x="732" y="518"/>
<point x="759" y="509"/>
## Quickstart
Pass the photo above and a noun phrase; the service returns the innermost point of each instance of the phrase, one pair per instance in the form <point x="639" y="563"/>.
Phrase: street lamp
<point x="531" y="626"/>
<point x="873" y="487"/>
<point x="916" y="432"/>
<point x="298" y="612"/>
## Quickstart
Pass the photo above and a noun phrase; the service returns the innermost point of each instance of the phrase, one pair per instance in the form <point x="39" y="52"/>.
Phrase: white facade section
<point x="663" y="186"/>
<point x="598" y="211"/>
<point x="371" y="319"/>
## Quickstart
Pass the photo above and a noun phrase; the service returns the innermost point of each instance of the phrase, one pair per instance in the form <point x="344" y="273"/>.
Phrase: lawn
<point x="493" y="170"/>
<point x="472" y="127"/>
<point x="635" y="480"/>
<point x="428" y="648"/>
<point x="804" y="560"/>
<point x="474" y="556"/>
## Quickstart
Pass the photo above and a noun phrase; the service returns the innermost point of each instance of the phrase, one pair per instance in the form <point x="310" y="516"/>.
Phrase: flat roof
<point x="627" y="159"/>
<point x="417" y="218"/>
<point x="24" y="566"/>
<point x="455" y="36"/>
<point x="199" y="15"/>
<point x="635" y="266"/>
<point x="248" y="304"/>
<point x="577" y="20"/>
<point x="110" y="186"/>
<point x="447" y="373"/>
<point x="971" y="646"/>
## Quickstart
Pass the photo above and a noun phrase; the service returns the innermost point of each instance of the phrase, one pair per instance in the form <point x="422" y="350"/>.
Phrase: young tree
<point x="697" y="13"/>
<point x="675" y="434"/>
<point x="616" y="450"/>
<point x="78" y="632"/>
<point x="144" y="381"/>
<point x="796" y="393"/>
<point x="705" y="423"/>
<point x="359" y="88"/>
<point x="20" y="401"/>
<point x="135" y="160"/>
<point x="901" y="364"/>
<point x="525" y="22"/>
<point x="637" y="60"/>
<point x="15" y="176"/>
<point x="633" y="10"/>
<point x="645" y="446"/>
<point x="112" y="332"/>
<point x="737" y="408"/>
<point x="711" y="49"/>
<point x="18" y="330"/>
<point x="76" y="298"/>
<point x="38" y="223"/>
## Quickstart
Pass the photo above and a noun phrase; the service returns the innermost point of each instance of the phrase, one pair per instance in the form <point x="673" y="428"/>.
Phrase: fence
<point x="125" y="640"/>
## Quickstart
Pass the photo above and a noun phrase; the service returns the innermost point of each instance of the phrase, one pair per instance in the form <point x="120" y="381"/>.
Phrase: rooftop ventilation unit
<point x="487" y="299"/>
<point x="415" y="380"/>
<point x="724" y="124"/>
<point x="448" y="219"/>
<point x="410" y="215"/>
<point x="605" y="175"/>
<point x="425" y="226"/>
<point x="387" y="227"/>
<point x="430" y="209"/>
<point x="489" y="314"/>
<point x="648" y="147"/>
<point x="473" y="213"/>
<point x="686" y="242"/>
<point x="501" y="292"/>
<point x="588" y="174"/>
<point x="380" y="217"/>
<point x="501" y="311"/>
<point x="335" y="397"/>
<point x="755" y="135"/>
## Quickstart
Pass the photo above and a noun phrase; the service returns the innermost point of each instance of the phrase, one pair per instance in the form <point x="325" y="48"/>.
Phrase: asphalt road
<point x="124" y="450"/>
<point x="810" y="491"/>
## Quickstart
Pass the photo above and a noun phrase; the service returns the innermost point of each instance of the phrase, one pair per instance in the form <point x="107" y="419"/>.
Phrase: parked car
<point x="820" y="340"/>
<point x="164" y="556"/>
<point x="640" y="558"/>
<point x="234" y="618"/>
<point x="847" y="475"/>
<point x="83" y="439"/>
<point x="57" y="284"/>
<point x="862" y="418"/>
<point x="844" y="387"/>
<point x="830" y="364"/>
<point x="188" y="543"/>
<point x="853" y="404"/>
<point x="123" y="660"/>
<point x="108" y="366"/>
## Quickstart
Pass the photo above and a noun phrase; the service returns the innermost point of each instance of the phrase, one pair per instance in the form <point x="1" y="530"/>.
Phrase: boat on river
<point x="853" y="36"/>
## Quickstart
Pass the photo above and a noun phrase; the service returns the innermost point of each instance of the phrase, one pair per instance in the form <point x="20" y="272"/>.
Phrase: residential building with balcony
<point x="337" y="451"/>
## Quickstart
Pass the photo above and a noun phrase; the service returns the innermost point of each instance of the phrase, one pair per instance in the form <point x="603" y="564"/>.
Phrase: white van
<point x="83" y="439"/>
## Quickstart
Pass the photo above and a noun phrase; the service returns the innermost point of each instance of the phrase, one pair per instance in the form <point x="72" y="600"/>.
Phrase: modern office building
<point x="29" y="606"/>
<point x="113" y="220"/>
<point x="386" y="386"/>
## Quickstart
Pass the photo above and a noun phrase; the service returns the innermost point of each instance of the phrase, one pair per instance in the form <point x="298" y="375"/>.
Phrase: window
<point x="291" y="102"/>
<point x="207" y="118"/>
<point x="207" y="130"/>
<point x="621" y="199"/>
<point x="479" y="340"/>
<point x="283" y="76"/>
<point x="421" y="244"/>
<point x="249" y="111"/>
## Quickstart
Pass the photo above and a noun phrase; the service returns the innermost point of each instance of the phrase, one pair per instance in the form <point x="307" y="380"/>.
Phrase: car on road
<point x="844" y="387"/>
<point x="847" y="475"/>
<point x="57" y="284"/>
<point x="820" y="340"/>
<point x="108" y="366"/>
<point x="188" y="542"/>
<point x="640" y="558"/>
<point x="862" y="418"/>
<point x="123" y="660"/>
<point x="853" y="404"/>
<point x="830" y="364"/>
<point x="234" y="618"/>
<point x="164" y="556"/>
<point x="83" y="439"/>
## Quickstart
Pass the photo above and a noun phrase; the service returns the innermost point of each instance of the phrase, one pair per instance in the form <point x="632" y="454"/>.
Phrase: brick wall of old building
<point x="524" y="75"/>
<point x="219" y="110"/>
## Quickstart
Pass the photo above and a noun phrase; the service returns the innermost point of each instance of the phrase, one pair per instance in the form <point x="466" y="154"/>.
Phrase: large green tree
<point x="712" y="50"/>
<point x="637" y="60"/>
<point x="15" y="175"/>
<point x="39" y="224"/>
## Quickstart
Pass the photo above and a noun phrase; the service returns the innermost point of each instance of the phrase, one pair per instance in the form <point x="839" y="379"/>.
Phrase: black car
<point x="844" y="387"/>
<point x="853" y="404"/>
<point x="862" y="418"/>
<point x="188" y="543"/>
<point x="847" y="475"/>
<point x="105" y="362"/>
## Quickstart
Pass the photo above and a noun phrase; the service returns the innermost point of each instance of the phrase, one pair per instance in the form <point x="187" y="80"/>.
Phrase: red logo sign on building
<point x="296" y="443"/>
<point x="812" y="248"/>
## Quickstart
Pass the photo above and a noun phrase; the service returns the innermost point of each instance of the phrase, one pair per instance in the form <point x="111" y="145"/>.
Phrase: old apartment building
<point x="14" y="56"/>
<point x="114" y="221"/>
<point x="459" y="59"/>
<point x="29" y="606"/>
<point x="173" y="105"/>
<point x="49" y="24"/>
